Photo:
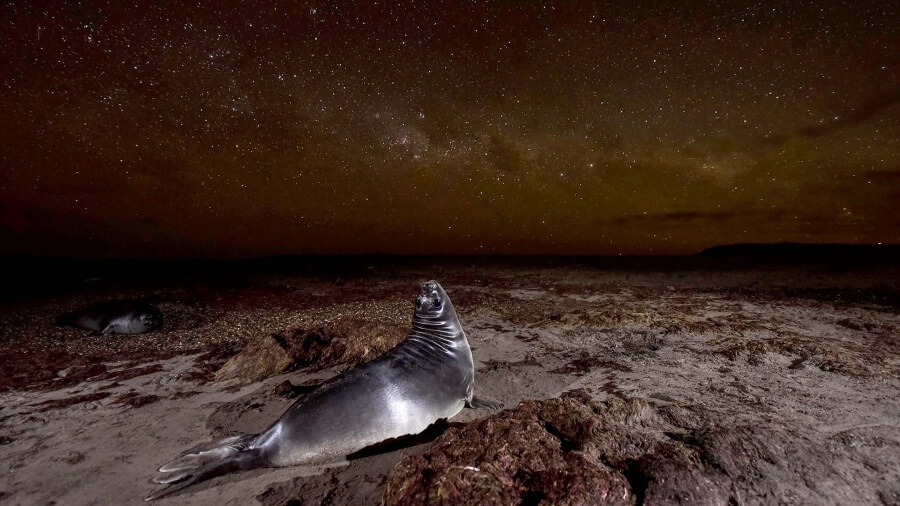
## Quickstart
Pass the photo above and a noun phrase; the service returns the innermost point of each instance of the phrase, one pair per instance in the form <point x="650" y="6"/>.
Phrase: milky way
<point x="172" y="129"/>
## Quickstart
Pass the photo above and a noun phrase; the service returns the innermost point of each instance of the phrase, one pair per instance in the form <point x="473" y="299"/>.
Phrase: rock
<point x="798" y="364"/>
<point x="573" y="450"/>
<point x="288" y="390"/>
<point x="70" y="457"/>
<point x="850" y="324"/>
<point x="673" y="475"/>
<point x="261" y="358"/>
<point x="284" y="389"/>
<point x="135" y="400"/>
<point x="345" y="343"/>
<point x="509" y="459"/>
<point x="540" y="452"/>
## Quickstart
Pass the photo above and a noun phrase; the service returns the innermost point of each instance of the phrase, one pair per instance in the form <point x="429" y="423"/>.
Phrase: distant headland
<point x="794" y="249"/>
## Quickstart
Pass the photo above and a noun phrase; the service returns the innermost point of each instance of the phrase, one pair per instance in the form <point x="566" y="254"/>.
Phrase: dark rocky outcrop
<point x="573" y="450"/>
<point x="345" y="342"/>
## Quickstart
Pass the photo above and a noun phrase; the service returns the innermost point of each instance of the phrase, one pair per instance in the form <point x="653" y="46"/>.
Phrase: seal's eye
<point x="436" y="303"/>
<point x="418" y="302"/>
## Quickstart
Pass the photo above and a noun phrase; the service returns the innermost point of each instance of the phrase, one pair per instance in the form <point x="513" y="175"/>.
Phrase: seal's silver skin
<point x="427" y="377"/>
<point x="115" y="317"/>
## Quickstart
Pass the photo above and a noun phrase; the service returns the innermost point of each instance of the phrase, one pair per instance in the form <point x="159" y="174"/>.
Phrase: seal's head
<point x="433" y="302"/>
<point x="150" y="317"/>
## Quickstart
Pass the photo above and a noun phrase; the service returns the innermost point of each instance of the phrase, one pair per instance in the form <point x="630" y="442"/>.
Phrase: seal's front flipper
<point x="479" y="403"/>
<point x="107" y="330"/>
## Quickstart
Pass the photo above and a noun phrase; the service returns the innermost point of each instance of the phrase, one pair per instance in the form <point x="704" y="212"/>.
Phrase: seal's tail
<point x="208" y="461"/>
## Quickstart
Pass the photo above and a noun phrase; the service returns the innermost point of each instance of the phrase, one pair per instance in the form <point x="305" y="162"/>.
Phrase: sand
<point x="808" y="350"/>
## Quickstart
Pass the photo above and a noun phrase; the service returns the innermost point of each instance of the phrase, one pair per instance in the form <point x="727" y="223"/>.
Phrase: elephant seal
<point x="427" y="377"/>
<point x="115" y="317"/>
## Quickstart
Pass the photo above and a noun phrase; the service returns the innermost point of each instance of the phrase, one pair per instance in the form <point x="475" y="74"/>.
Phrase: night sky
<point x="167" y="129"/>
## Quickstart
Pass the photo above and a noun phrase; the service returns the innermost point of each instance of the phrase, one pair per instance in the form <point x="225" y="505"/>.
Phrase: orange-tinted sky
<point x="172" y="129"/>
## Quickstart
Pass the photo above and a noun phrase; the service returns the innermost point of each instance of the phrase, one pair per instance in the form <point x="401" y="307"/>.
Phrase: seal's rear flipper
<point x="479" y="403"/>
<point x="206" y="453"/>
<point x="213" y="459"/>
<point x="247" y="459"/>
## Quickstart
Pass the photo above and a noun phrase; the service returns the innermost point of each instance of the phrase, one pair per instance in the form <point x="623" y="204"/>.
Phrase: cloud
<point x="850" y="117"/>
<point x="694" y="217"/>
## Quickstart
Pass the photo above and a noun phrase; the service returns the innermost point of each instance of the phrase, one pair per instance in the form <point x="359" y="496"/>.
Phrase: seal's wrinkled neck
<point x="435" y="316"/>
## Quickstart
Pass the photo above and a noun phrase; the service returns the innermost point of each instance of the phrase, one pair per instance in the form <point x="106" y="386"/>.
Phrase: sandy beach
<point x="797" y="364"/>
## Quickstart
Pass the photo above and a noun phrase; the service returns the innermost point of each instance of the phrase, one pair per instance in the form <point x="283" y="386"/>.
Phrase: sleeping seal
<point x="115" y="317"/>
<point x="427" y="377"/>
